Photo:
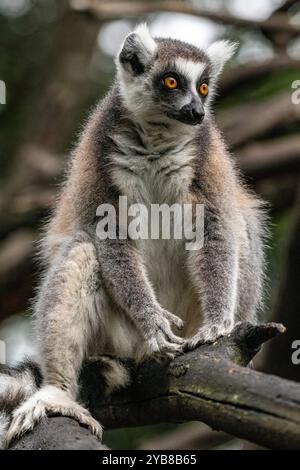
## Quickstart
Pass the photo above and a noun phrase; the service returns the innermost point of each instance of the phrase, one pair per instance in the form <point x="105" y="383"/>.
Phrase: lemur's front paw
<point x="159" y="337"/>
<point x="49" y="400"/>
<point x="209" y="334"/>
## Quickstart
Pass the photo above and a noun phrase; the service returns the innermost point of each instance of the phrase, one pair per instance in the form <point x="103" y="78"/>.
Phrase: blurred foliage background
<point x="56" y="60"/>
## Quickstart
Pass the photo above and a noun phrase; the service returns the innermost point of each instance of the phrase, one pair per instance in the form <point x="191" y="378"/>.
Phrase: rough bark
<point x="210" y="384"/>
<point x="59" y="433"/>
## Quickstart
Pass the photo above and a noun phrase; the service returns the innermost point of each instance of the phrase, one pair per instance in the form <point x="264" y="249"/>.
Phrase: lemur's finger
<point x="194" y="342"/>
<point x="166" y="345"/>
<point x="153" y="345"/>
<point x="171" y="348"/>
<point x="175" y="339"/>
<point x="173" y="319"/>
<point x="171" y="336"/>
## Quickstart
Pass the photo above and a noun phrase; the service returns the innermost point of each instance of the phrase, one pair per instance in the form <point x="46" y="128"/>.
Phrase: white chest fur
<point x="157" y="169"/>
<point x="160" y="171"/>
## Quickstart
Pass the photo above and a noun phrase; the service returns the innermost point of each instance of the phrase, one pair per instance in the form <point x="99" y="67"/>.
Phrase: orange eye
<point x="204" y="89"/>
<point x="171" y="83"/>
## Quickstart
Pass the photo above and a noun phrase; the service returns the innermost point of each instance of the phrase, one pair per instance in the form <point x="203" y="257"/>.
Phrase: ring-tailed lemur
<point x="154" y="140"/>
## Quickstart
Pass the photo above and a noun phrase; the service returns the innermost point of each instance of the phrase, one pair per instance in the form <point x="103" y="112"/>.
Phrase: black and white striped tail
<point x="16" y="385"/>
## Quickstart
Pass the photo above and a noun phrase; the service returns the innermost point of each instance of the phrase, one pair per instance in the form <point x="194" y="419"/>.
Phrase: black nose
<point x="198" y="114"/>
<point x="192" y="113"/>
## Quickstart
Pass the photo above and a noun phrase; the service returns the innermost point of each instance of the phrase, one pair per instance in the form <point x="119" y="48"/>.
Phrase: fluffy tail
<point x="17" y="384"/>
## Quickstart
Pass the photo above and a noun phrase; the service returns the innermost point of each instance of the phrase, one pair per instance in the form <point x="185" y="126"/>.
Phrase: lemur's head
<point x="162" y="78"/>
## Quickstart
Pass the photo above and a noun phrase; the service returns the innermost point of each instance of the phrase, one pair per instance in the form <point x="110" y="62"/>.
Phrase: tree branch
<point x="210" y="385"/>
<point x="271" y="114"/>
<point x="109" y="10"/>
<point x="59" y="433"/>
<point x="265" y="158"/>
<point x="286" y="6"/>
<point x="247" y="73"/>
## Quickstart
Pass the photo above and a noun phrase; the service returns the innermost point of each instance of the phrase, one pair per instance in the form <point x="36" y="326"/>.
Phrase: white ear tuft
<point x="136" y="51"/>
<point x="219" y="53"/>
<point x="146" y="39"/>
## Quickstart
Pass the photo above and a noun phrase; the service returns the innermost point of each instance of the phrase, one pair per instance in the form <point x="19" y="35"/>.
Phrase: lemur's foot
<point x="49" y="400"/>
<point x="209" y="334"/>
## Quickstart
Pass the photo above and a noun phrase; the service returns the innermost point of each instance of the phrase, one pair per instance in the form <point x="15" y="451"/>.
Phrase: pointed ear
<point x="219" y="53"/>
<point x="137" y="50"/>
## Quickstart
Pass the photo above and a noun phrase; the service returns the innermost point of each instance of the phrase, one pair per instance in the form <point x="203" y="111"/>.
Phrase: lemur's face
<point x="166" y="79"/>
<point x="181" y="89"/>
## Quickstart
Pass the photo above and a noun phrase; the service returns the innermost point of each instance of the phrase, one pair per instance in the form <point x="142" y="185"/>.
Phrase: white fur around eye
<point x="191" y="70"/>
